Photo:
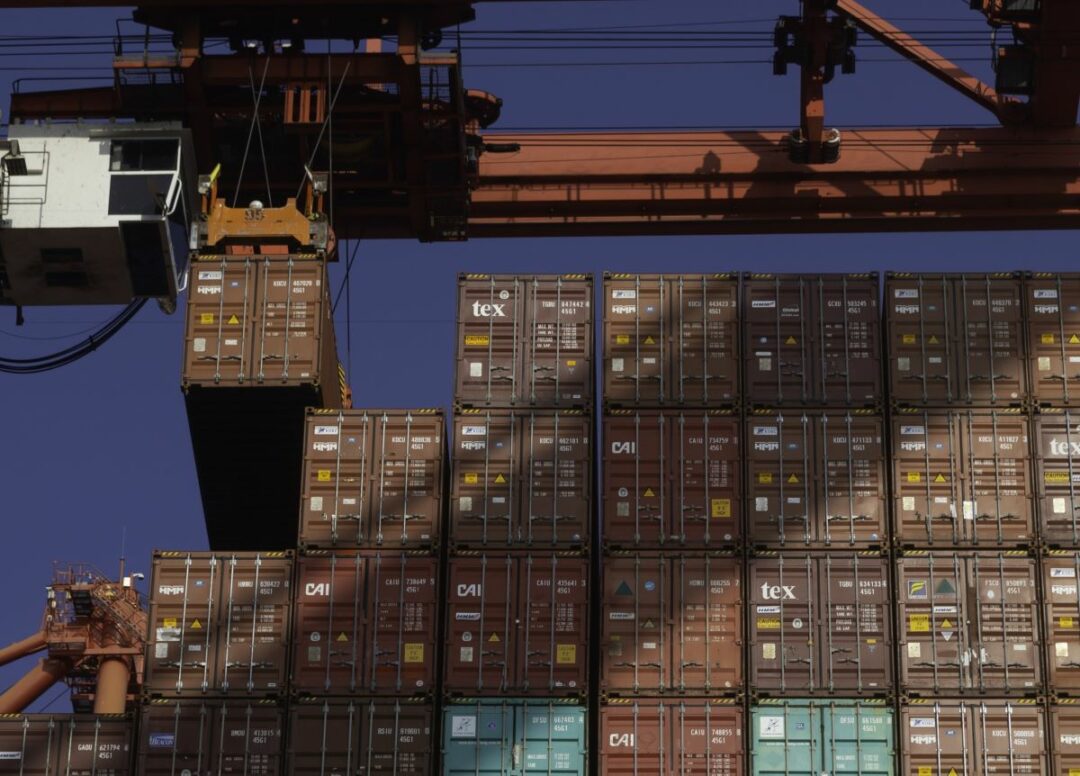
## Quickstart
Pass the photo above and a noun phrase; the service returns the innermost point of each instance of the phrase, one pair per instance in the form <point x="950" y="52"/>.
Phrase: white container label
<point x="623" y="293"/>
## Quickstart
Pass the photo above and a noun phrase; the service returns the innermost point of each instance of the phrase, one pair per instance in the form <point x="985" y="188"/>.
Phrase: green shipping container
<point x="818" y="737"/>
<point x="514" y="736"/>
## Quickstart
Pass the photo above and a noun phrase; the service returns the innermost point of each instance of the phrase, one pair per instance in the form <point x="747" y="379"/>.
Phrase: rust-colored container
<point x="517" y="624"/>
<point x="973" y="738"/>
<point x="671" y="624"/>
<point x="962" y="478"/>
<point x="1064" y="723"/>
<point x="671" y="340"/>
<point x="816" y="480"/>
<point x="672" y="738"/>
<point x="1057" y="475"/>
<point x="66" y="744"/>
<point x="522" y="479"/>
<point x="811" y="340"/>
<point x="365" y="624"/>
<point x="360" y="737"/>
<point x="969" y="624"/>
<point x="373" y="479"/>
<point x="1052" y="310"/>
<point x="525" y="341"/>
<point x="1061" y="612"/>
<point x="259" y="350"/>
<point x="219" y="624"/>
<point x="956" y="339"/>
<point x="214" y="737"/>
<point x="820" y="625"/>
<point x="672" y="479"/>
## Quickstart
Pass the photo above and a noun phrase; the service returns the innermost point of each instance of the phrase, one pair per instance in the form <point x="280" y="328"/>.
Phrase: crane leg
<point x="110" y="696"/>
<point x="27" y="646"/>
<point x="31" y="687"/>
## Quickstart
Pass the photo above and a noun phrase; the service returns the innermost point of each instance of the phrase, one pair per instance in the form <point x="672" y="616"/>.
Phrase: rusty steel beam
<point x="925" y="57"/>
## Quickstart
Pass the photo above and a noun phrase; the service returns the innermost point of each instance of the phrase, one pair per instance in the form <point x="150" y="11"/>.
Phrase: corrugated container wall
<point x="973" y="738"/>
<point x="373" y="479"/>
<point x="812" y="738"/>
<point x="816" y="480"/>
<point x="219" y="624"/>
<point x="1061" y="613"/>
<point x="672" y="738"/>
<point x="512" y="737"/>
<point x="956" y="340"/>
<point x="517" y="624"/>
<point x="811" y="340"/>
<point x="672" y="480"/>
<point x="1052" y="307"/>
<point x="525" y="341"/>
<point x="820" y="624"/>
<point x="671" y="340"/>
<point x="671" y="624"/>
<point x="66" y="744"/>
<point x="1064" y="723"/>
<point x="522" y="480"/>
<point x="969" y="624"/>
<point x="1057" y="476"/>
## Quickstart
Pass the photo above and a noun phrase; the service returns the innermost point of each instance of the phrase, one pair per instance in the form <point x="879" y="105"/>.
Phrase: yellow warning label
<point x="650" y="341"/>
<point x="1074" y="771"/>
<point x="1047" y="339"/>
<point x="494" y="638"/>
<point x="234" y="320"/>
<point x="939" y="478"/>
<point x="1064" y="622"/>
<point x="914" y="477"/>
<point x="764" y="478"/>
<point x="933" y="340"/>
<point x="926" y="770"/>
<point x="571" y="363"/>
<point x="952" y="772"/>
<point x="1057" y="478"/>
<point x="768" y="623"/>
<point x="414" y="653"/>
<point x="946" y="624"/>
<point x="791" y="341"/>
<point x="323" y="475"/>
<point x="622" y="339"/>
<point x="649" y="493"/>
<point x="169" y="622"/>
<point x="919" y="623"/>
<point x="566" y="654"/>
<point x="206" y="318"/>
<point x="476" y="340"/>
<point x="1074" y="340"/>
<point x="793" y="480"/>
<point x="472" y="478"/>
<point x="500" y="480"/>
<point x="908" y="339"/>
<point x="342" y="636"/>
<point x="721" y="507"/>
<point x="196" y="625"/>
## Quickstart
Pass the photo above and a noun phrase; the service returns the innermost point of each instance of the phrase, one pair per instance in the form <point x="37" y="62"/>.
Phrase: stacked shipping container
<point x="515" y="673"/>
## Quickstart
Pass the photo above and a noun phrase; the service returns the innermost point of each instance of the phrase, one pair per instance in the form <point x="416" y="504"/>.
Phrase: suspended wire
<point x="257" y="97"/>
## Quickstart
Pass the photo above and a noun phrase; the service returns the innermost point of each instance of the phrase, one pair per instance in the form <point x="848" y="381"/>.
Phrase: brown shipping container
<point x="969" y="623"/>
<point x="219" y="624"/>
<point x="672" y="479"/>
<point x="1057" y="476"/>
<point x="365" y="624"/>
<point x="1052" y="308"/>
<point x="211" y="738"/>
<point x="525" y="341"/>
<point x="816" y="480"/>
<point x="373" y="479"/>
<point x="360" y="738"/>
<point x="820" y="624"/>
<point x="1064" y="721"/>
<point x="671" y="625"/>
<point x="811" y="340"/>
<point x="671" y="340"/>
<point x="522" y="479"/>
<point x="517" y="625"/>
<point x="942" y="736"/>
<point x="1061" y="602"/>
<point x="672" y="738"/>
<point x="955" y="339"/>
<point x="962" y="478"/>
<point x="66" y="744"/>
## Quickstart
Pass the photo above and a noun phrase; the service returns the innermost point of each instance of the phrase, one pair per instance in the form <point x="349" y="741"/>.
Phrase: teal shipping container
<point x="818" y="737"/>
<point x="514" y="736"/>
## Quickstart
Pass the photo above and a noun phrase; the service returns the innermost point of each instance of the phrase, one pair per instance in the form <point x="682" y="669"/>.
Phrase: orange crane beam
<point x="21" y="649"/>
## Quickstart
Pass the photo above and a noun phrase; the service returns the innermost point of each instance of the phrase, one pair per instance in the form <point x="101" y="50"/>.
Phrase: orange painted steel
<point x="33" y="685"/>
<point x="111" y="691"/>
<point x="21" y="649"/>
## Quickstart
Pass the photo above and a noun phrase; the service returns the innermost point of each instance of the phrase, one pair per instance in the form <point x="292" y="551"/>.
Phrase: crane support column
<point x="33" y="685"/>
<point x="21" y="649"/>
<point x="110" y="695"/>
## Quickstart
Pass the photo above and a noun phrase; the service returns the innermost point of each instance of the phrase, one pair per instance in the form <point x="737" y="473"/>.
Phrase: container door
<point x="1062" y="601"/>
<point x="707" y="492"/>
<point x="921" y="340"/>
<point x="288" y="327"/>
<point x="635" y="740"/>
<point x="705" y="312"/>
<point x="323" y="739"/>
<point x="936" y="624"/>
<point x="858" y="739"/>
<point x="851" y="505"/>
<point x="780" y="481"/>
<point x="407" y="486"/>
<point x="479" y="739"/>
<point x="482" y="624"/>
<point x="220" y="323"/>
<point x="93" y="744"/>
<point x="990" y="340"/>
<point x="1010" y="737"/>
<point x="707" y="606"/>
<point x="998" y="508"/>
<point x="847" y="341"/>
<point x="1006" y="624"/>
<point x="636" y="648"/>
<point x="637" y="456"/>
<point x="175" y="737"/>
<point x="707" y="739"/>
<point x="557" y="481"/>
<point x="553" y="609"/>
<point x="557" y="368"/>
<point x="1053" y="324"/>
<point x="784" y="635"/>
<point x="184" y="625"/>
<point x="776" y="347"/>
<point x="29" y="744"/>
<point x="485" y="505"/>
<point x="939" y="738"/>
<point x="786" y="739"/>
<point x="1064" y="739"/>
<point x="395" y="738"/>
<point x="927" y="464"/>
<point x="856" y="612"/>
<point x="491" y="311"/>
<point x="337" y="482"/>
<point x="1057" y="477"/>
<point x="247" y="739"/>
<point x="332" y="626"/>
<point x="636" y="325"/>
<point x="403" y="595"/>
<point x="255" y="604"/>
<point x="550" y="739"/>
